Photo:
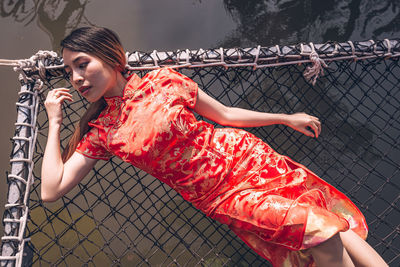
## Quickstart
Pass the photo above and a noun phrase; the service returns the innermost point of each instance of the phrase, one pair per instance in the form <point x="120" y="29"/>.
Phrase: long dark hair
<point x="104" y="44"/>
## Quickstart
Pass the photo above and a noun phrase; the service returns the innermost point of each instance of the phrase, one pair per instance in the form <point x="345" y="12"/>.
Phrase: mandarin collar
<point x="133" y="82"/>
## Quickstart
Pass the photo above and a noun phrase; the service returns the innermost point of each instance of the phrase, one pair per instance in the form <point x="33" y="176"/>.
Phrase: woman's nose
<point x="77" y="78"/>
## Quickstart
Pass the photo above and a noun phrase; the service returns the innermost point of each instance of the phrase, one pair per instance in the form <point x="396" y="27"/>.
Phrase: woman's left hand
<point x="304" y="123"/>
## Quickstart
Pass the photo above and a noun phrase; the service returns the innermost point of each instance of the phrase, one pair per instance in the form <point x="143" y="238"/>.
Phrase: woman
<point x="278" y="207"/>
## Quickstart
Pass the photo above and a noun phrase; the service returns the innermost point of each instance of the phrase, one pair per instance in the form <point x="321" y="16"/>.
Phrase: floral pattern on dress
<point x="277" y="206"/>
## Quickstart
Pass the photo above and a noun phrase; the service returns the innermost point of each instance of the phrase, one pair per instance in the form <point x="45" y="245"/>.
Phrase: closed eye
<point x="83" y="65"/>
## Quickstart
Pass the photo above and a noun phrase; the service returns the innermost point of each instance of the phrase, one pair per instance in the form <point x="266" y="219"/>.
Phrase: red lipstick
<point x="84" y="89"/>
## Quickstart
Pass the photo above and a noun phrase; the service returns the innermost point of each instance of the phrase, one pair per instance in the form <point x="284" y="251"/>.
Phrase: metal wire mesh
<point x="119" y="215"/>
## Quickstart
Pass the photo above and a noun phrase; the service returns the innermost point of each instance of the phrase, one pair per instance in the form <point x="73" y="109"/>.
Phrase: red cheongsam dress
<point x="276" y="206"/>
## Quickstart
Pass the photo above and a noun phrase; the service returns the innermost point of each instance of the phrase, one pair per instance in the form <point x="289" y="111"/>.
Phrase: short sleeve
<point x="181" y="86"/>
<point x="92" y="147"/>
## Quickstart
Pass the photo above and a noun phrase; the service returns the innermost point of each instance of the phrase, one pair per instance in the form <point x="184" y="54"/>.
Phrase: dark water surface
<point x="145" y="25"/>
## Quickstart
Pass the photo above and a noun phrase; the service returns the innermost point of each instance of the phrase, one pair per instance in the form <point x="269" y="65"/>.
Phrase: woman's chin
<point x="89" y="99"/>
<point x="92" y="99"/>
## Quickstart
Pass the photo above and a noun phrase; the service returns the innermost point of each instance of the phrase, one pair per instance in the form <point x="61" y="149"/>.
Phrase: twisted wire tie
<point x="126" y="60"/>
<point x="14" y="205"/>
<point x="336" y="50"/>
<point x="187" y="57"/>
<point x="10" y="220"/>
<point x="21" y="160"/>
<point x="353" y="50"/>
<point x="178" y="59"/>
<point x="257" y="56"/>
<point x="27" y="139"/>
<point x="221" y="52"/>
<point x="25" y="92"/>
<point x="389" y="46"/>
<point x="8" y="258"/>
<point x="39" y="84"/>
<point x="154" y="57"/>
<point x="202" y="53"/>
<point x="24" y="124"/>
<point x="24" y="105"/>
<point x="278" y="51"/>
<point x="239" y="53"/>
<point x="313" y="72"/>
<point x="16" y="177"/>
<point x="374" y="46"/>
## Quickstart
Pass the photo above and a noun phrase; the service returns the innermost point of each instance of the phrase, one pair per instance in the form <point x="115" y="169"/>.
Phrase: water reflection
<point x="19" y="10"/>
<point x="258" y="22"/>
<point x="284" y="22"/>
<point x="55" y="17"/>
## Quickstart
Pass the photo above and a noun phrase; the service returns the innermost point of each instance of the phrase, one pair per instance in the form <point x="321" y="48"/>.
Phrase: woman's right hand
<point x="53" y="104"/>
<point x="304" y="123"/>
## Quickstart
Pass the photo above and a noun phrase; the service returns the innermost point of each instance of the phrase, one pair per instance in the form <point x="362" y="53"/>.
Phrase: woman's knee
<point x="333" y="246"/>
<point x="331" y="253"/>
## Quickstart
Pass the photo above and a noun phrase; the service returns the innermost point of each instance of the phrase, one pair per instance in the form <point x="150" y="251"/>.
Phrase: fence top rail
<point x="51" y="64"/>
<point x="263" y="56"/>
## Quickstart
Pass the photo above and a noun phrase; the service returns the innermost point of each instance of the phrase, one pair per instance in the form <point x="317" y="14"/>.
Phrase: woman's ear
<point x="119" y="68"/>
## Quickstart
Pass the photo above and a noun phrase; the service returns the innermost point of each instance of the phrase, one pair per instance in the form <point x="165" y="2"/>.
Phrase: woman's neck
<point x="118" y="88"/>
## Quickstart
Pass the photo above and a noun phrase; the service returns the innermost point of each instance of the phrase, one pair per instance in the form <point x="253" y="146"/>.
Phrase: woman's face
<point x="88" y="74"/>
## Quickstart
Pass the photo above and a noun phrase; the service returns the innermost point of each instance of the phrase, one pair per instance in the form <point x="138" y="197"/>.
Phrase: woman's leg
<point x="360" y="251"/>
<point x="331" y="253"/>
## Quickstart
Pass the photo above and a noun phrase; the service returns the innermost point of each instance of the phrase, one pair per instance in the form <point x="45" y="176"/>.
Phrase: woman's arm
<point x="59" y="178"/>
<point x="230" y="116"/>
